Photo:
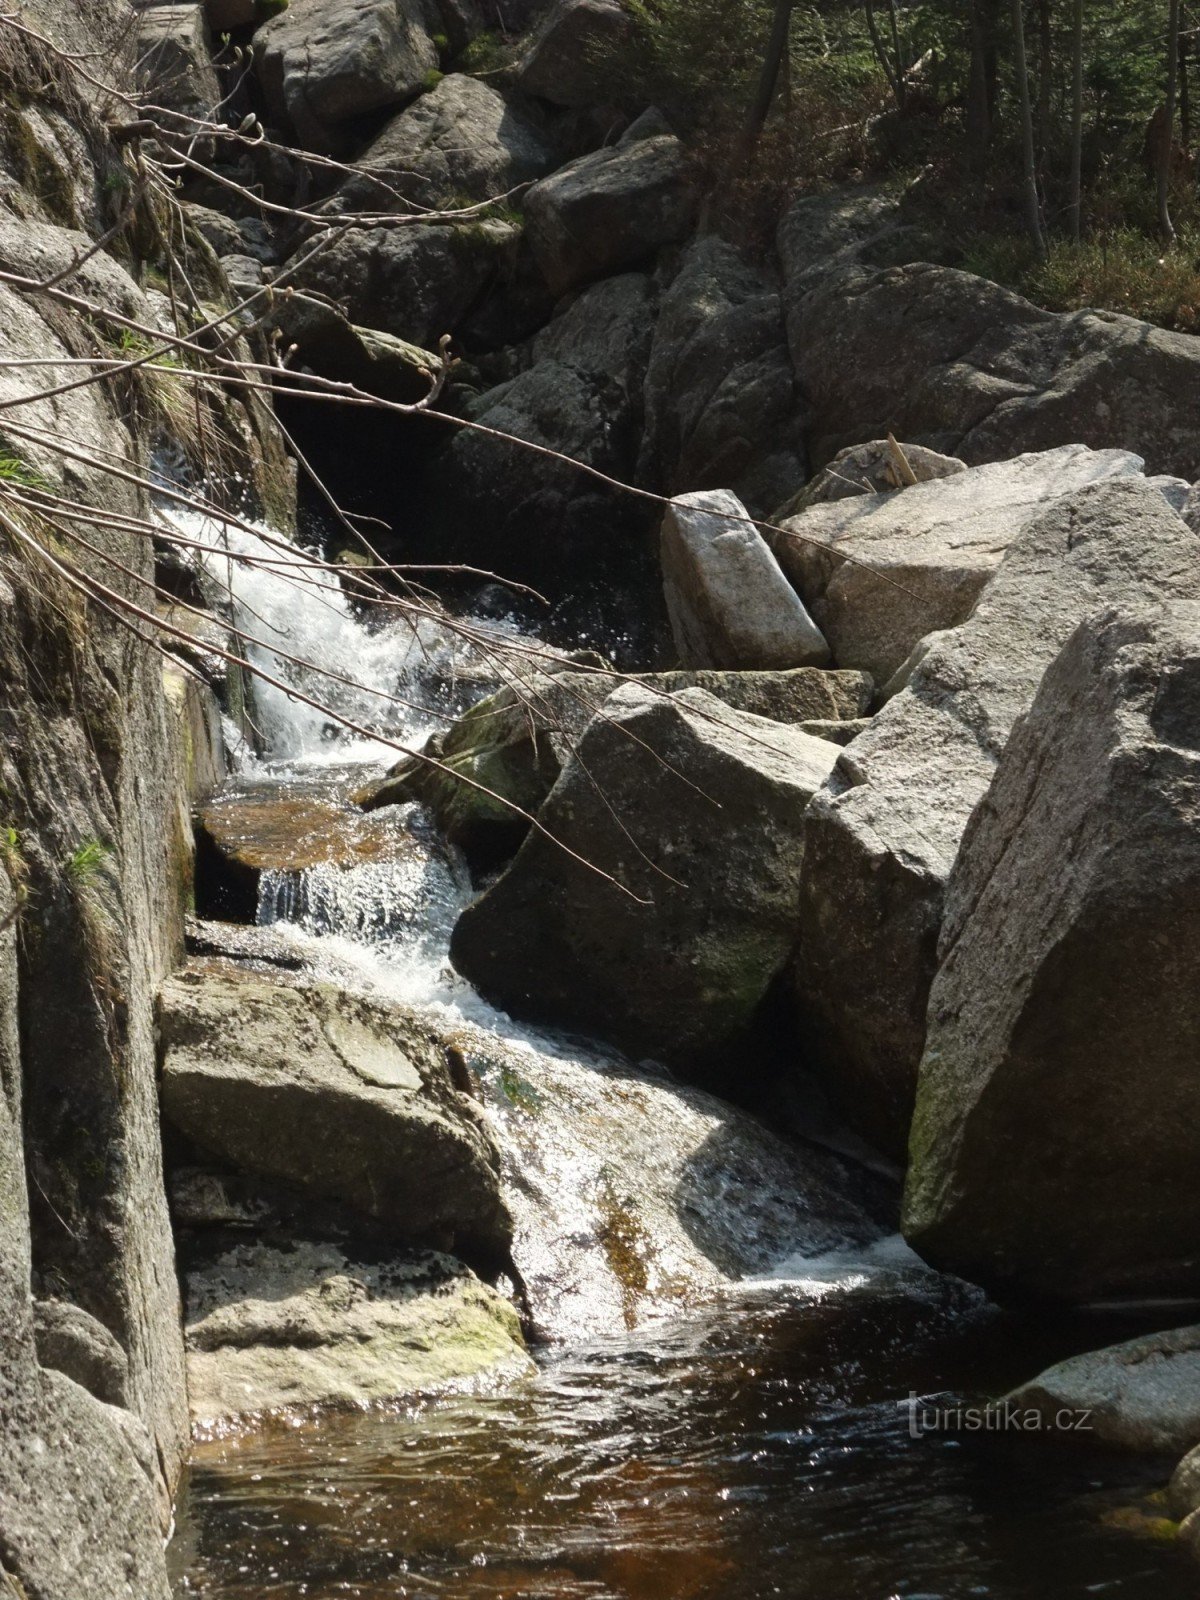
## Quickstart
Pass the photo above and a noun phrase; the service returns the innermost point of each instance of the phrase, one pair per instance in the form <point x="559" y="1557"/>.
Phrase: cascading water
<point x="723" y="1413"/>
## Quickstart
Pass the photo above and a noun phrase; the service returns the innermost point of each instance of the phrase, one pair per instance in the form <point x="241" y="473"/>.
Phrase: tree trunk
<point x="764" y="94"/>
<point x="895" y="83"/>
<point x="1167" y="141"/>
<point x="981" y="91"/>
<point x="1185" y="92"/>
<point x="1045" y="76"/>
<point x="1033" y="209"/>
<point x="1075" y="199"/>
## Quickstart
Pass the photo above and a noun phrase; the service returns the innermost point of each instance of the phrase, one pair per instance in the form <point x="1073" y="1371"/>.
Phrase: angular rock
<point x="174" y="61"/>
<point x="343" y="1097"/>
<point x="1069" y="952"/>
<point x="271" y="1329"/>
<point x="879" y="572"/>
<point x="610" y="210"/>
<point x="962" y="365"/>
<point x="568" y="58"/>
<point x="883" y="834"/>
<point x="1142" y="1395"/>
<point x="329" y="343"/>
<point x="728" y="600"/>
<point x="695" y="811"/>
<point x="721" y="403"/>
<point x="512" y="746"/>
<point x="461" y="143"/>
<point x="413" y="282"/>
<point x="529" y="517"/>
<point x="323" y="62"/>
<point x="872" y="468"/>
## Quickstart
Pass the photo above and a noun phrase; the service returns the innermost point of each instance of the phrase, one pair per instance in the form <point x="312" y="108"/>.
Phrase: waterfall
<point x="632" y="1194"/>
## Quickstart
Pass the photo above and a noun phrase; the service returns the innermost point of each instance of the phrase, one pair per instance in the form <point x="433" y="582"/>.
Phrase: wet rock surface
<point x="343" y="1098"/>
<point x="273" y="1330"/>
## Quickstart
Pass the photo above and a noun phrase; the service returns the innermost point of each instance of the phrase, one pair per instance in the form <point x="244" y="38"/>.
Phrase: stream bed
<point x="750" y="1437"/>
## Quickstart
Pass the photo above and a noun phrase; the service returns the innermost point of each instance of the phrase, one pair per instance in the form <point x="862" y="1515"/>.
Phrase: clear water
<point x="730" y="1425"/>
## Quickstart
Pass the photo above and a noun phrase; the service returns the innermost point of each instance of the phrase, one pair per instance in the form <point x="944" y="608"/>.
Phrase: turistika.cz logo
<point x="928" y="1414"/>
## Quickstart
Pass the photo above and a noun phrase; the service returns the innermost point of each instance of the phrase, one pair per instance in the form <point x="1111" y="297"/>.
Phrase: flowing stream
<point x="723" y="1405"/>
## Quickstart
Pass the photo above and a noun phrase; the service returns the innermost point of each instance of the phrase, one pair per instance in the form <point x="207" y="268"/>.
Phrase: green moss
<point x="518" y="1092"/>
<point x="625" y="1243"/>
<point x="432" y="78"/>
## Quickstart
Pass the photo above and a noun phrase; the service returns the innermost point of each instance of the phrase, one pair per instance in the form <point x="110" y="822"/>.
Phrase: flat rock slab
<point x="880" y="571"/>
<point x="882" y="836"/>
<point x="1057" y="1132"/>
<point x="1141" y="1395"/>
<point x="272" y="1330"/>
<point x="694" y="815"/>
<point x="340" y="1096"/>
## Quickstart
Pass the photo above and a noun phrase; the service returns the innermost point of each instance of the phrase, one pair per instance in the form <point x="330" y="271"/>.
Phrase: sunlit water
<point x="731" y="1419"/>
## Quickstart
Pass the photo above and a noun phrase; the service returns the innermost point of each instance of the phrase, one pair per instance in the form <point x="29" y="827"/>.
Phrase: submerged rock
<point x="1141" y="1395"/>
<point x="1055" y="1140"/>
<point x="341" y="1097"/>
<point x="514" y="744"/>
<point x="882" y="835"/>
<point x="729" y="602"/>
<point x="881" y="571"/>
<point x="610" y="210"/>
<point x="324" y="62"/>
<point x="272" y="1329"/>
<point x="693" y="815"/>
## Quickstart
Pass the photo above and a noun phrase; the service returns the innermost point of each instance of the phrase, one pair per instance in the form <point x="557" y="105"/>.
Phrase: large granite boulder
<point x="1069" y="952"/>
<point x="461" y="143"/>
<point x="959" y="363"/>
<point x="610" y="210"/>
<point x="883" y="834"/>
<point x="569" y="59"/>
<point x="728" y="600"/>
<point x="342" y="1097"/>
<point x="532" y="517"/>
<point x="656" y="902"/>
<point x="880" y="571"/>
<point x="414" y="281"/>
<point x="321" y="63"/>
<point x="498" y="763"/>
<point x="722" y="410"/>
<point x="273" y="1329"/>
<point x="1142" y="1395"/>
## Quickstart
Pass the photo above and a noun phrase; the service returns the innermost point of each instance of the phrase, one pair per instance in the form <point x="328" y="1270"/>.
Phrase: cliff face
<point x="97" y="768"/>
